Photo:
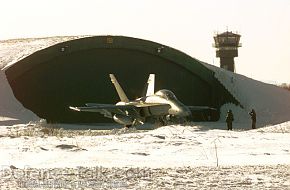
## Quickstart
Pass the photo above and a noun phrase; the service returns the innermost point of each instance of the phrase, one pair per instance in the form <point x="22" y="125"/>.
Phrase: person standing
<point x="230" y="119"/>
<point x="253" y="117"/>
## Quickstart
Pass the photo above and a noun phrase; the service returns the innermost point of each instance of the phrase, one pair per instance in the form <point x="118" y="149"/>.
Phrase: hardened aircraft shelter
<point x="77" y="72"/>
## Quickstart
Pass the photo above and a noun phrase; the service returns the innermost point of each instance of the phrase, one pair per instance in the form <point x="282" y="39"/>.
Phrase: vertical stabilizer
<point x="119" y="89"/>
<point x="151" y="84"/>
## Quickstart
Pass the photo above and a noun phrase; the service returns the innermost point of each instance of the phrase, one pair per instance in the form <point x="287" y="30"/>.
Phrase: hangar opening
<point x="77" y="72"/>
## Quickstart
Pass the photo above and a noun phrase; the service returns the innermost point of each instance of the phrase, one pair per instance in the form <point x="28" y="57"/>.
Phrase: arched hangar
<point x="76" y="72"/>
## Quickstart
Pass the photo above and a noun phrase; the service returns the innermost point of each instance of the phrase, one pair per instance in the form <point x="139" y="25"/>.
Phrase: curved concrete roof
<point x="109" y="42"/>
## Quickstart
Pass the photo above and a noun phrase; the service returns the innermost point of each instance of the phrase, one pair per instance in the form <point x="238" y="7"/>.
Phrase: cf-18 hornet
<point x="162" y="106"/>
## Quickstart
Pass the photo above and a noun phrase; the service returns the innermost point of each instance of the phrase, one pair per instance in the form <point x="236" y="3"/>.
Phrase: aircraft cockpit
<point x="167" y="94"/>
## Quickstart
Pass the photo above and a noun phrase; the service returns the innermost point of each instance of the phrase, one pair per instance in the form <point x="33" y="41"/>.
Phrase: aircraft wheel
<point x="163" y="121"/>
<point x="183" y="120"/>
<point x="127" y="126"/>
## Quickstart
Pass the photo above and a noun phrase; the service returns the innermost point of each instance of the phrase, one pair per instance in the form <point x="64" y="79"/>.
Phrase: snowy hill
<point x="11" y="110"/>
<point x="272" y="104"/>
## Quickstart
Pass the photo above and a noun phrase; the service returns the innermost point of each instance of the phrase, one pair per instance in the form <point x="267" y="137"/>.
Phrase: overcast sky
<point x="187" y="25"/>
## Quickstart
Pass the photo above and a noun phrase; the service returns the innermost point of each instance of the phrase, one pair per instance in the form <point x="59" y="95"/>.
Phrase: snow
<point x="279" y="128"/>
<point x="168" y="157"/>
<point x="180" y="146"/>
<point x="14" y="50"/>
<point x="271" y="103"/>
<point x="11" y="110"/>
<point x="197" y="155"/>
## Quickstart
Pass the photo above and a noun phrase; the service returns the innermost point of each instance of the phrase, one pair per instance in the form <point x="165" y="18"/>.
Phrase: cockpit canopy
<point x="167" y="94"/>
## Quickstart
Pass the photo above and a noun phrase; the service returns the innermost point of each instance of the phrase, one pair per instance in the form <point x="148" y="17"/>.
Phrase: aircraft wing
<point x="106" y="109"/>
<point x="200" y="108"/>
<point x="137" y="105"/>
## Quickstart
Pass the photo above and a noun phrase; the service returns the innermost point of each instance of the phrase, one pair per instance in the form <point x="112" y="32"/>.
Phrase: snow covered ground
<point x="178" y="146"/>
<point x="195" y="156"/>
<point x="168" y="157"/>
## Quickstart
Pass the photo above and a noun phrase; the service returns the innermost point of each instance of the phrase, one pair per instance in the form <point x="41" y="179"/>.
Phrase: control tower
<point x="226" y="45"/>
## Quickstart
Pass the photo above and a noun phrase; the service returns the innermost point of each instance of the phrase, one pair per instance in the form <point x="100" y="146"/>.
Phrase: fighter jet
<point x="162" y="106"/>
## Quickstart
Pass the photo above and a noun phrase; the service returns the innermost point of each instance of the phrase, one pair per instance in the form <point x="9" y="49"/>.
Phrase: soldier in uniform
<point x="229" y="120"/>
<point x="253" y="117"/>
